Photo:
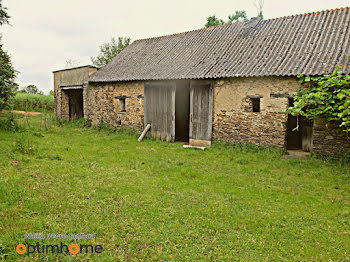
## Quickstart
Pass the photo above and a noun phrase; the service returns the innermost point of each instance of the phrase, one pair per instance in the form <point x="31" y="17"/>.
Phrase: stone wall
<point x="329" y="138"/>
<point x="105" y="104"/>
<point x="70" y="77"/>
<point x="233" y="119"/>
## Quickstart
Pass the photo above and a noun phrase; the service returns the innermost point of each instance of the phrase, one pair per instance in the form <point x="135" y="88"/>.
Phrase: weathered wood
<point x="144" y="132"/>
<point x="200" y="143"/>
<point x="160" y="109"/>
<point x="201" y="110"/>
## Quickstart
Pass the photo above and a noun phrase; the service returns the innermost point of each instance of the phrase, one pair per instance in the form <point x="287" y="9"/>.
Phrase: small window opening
<point x="256" y="104"/>
<point x="122" y="104"/>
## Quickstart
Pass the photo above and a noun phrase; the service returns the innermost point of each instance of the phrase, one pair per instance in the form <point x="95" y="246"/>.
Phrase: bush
<point x="10" y="124"/>
<point x="31" y="102"/>
<point x="24" y="144"/>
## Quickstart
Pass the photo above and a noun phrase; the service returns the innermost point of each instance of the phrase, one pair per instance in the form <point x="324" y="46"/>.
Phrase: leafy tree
<point x="52" y="93"/>
<point x="327" y="96"/>
<point x="214" y="21"/>
<point x="109" y="50"/>
<point x="237" y="16"/>
<point x="4" y="17"/>
<point x="7" y="72"/>
<point x="32" y="89"/>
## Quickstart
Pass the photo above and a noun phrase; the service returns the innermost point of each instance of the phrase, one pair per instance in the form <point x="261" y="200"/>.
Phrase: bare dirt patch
<point x="22" y="112"/>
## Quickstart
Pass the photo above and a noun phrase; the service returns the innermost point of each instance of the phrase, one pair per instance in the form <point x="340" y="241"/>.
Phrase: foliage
<point x="7" y="78"/>
<point x="4" y="16"/>
<point x="32" y="102"/>
<point x="109" y="50"/>
<point x="32" y="89"/>
<point x="7" y="72"/>
<point x="8" y="123"/>
<point x="328" y="96"/>
<point x="156" y="201"/>
<point x="237" y="16"/>
<point x="214" y="21"/>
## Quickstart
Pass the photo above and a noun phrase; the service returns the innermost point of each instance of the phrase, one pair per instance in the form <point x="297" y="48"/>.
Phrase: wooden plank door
<point x="201" y="112"/>
<point x="160" y="109"/>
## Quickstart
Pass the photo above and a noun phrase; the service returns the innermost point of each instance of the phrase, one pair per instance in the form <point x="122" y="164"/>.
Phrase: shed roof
<point x="312" y="44"/>
<point x="77" y="67"/>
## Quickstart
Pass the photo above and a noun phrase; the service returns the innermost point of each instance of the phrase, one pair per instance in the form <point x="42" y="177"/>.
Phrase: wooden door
<point x="201" y="112"/>
<point x="160" y="109"/>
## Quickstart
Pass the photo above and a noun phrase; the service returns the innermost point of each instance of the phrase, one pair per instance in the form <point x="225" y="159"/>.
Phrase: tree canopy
<point x="7" y="72"/>
<point x="109" y="50"/>
<point x="32" y="89"/>
<point x="4" y="16"/>
<point x="237" y="16"/>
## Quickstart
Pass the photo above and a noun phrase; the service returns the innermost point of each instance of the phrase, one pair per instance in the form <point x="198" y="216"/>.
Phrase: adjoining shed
<point x="231" y="82"/>
<point x="69" y="91"/>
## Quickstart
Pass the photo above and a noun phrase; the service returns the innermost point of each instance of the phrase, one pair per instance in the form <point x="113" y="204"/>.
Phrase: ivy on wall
<point x="327" y="95"/>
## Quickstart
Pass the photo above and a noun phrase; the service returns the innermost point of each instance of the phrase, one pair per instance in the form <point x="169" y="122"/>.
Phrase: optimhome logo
<point x="58" y="249"/>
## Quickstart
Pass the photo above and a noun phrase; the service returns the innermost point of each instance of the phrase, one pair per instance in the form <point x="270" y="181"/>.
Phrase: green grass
<point x="32" y="102"/>
<point x="153" y="200"/>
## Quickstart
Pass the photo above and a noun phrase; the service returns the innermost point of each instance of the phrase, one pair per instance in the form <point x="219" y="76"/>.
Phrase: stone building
<point x="69" y="91"/>
<point x="231" y="82"/>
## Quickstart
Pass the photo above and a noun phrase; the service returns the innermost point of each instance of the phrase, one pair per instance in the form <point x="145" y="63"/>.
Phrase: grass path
<point x="157" y="201"/>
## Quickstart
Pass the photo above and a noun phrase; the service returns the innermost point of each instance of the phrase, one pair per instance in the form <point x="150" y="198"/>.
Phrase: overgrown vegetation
<point x="327" y="96"/>
<point x="32" y="102"/>
<point x="7" y="72"/>
<point x="153" y="200"/>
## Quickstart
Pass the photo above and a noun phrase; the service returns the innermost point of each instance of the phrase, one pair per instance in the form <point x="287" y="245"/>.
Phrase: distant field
<point x="29" y="102"/>
<point x="154" y="201"/>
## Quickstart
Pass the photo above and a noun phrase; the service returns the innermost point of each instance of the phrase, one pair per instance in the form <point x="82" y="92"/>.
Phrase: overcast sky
<point x="46" y="33"/>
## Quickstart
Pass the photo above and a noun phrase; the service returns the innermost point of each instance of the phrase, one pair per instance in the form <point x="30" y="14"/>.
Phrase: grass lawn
<point x="153" y="200"/>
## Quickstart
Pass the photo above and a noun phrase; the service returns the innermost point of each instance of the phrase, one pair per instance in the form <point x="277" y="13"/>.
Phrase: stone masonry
<point x="69" y="77"/>
<point x="329" y="138"/>
<point x="233" y="116"/>
<point x="122" y="104"/>
<point x="105" y="104"/>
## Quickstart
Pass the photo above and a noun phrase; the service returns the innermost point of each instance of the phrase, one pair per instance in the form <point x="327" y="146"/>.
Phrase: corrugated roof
<point x="312" y="44"/>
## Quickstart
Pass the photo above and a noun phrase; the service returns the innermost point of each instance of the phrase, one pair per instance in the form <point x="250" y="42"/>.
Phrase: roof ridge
<point x="238" y="22"/>
<point x="190" y="31"/>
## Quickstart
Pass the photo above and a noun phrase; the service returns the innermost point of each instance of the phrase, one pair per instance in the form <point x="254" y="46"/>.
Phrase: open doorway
<point x="182" y="110"/>
<point x="76" y="109"/>
<point x="299" y="132"/>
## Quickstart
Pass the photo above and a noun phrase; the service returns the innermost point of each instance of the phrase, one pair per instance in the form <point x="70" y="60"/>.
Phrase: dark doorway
<point x="76" y="109"/>
<point x="182" y="110"/>
<point x="299" y="138"/>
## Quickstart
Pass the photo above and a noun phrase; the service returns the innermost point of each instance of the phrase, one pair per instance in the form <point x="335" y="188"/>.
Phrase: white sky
<point x="46" y="33"/>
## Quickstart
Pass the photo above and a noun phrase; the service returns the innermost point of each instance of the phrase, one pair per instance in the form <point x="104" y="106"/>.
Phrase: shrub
<point x="33" y="102"/>
<point x="24" y="145"/>
<point x="10" y="124"/>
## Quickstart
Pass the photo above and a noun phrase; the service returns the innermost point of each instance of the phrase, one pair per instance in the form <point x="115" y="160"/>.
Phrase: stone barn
<point x="230" y="82"/>
<point x="69" y="91"/>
